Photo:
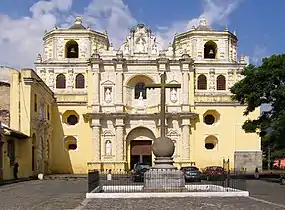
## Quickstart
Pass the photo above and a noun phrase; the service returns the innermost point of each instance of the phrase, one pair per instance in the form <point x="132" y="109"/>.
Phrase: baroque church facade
<point x="104" y="117"/>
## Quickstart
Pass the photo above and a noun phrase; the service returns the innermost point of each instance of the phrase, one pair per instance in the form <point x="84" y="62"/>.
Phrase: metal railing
<point x="123" y="182"/>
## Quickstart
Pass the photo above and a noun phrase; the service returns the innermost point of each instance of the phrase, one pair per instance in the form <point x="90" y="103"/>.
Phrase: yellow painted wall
<point x="26" y="119"/>
<point x="230" y="136"/>
<point x="70" y="161"/>
<point x="22" y="151"/>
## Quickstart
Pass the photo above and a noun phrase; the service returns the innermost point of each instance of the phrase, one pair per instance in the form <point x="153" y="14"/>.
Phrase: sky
<point x="258" y="24"/>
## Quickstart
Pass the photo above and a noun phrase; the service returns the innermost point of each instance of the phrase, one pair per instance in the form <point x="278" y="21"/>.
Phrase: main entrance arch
<point x="139" y="143"/>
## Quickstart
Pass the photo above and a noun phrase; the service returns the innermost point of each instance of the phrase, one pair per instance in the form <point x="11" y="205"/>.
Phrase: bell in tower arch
<point x="71" y="49"/>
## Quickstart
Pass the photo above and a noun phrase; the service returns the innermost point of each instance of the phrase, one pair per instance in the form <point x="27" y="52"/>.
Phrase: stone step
<point x="66" y="176"/>
<point x="12" y="181"/>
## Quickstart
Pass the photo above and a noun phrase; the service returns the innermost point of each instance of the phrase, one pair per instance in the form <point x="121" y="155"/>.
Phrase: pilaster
<point x="212" y="80"/>
<point x="70" y="79"/>
<point x="227" y="50"/>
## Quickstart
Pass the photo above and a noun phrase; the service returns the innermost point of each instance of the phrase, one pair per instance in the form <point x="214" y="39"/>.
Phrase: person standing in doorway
<point x="16" y="169"/>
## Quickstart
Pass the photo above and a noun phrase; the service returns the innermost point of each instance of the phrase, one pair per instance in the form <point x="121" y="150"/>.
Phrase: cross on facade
<point x="163" y="87"/>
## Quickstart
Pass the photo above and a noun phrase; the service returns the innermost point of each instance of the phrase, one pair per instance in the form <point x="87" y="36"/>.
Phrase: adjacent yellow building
<point x="87" y="106"/>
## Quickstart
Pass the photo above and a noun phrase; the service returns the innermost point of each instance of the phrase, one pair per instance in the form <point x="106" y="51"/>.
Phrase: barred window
<point x="60" y="81"/>
<point x="79" y="81"/>
<point x="221" y="82"/>
<point x="202" y="82"/>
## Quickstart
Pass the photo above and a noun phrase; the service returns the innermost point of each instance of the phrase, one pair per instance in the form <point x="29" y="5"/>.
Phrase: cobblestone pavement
<point x="179" y="204"/>
<point x="61" y="194"/>
<point x="43" y="195"/>
<point x="267" y="190"/>
<point x="263" y="195"/>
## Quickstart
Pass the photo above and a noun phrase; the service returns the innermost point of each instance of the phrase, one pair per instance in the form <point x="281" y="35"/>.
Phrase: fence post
<point x="109" y="175"/>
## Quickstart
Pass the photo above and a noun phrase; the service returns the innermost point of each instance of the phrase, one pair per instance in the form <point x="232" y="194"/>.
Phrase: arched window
<point x="79" y="81"/>
<point x="221" y="82"/>
<point x="210" y="50"/>
<point x="71" y="49"/>
<point x="140" y="90"/>
<point x="202" y="82"/>
<point x="60" y="81"/>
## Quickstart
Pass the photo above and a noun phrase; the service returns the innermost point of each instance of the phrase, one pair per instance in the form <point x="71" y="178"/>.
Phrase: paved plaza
<point x="70" y="194"/>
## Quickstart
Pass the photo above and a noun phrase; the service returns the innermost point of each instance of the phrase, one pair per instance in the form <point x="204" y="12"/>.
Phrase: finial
<point x="78" y="20"/>
<point x="39" y="58"/>
<point x="203" y="22"/>
<point x="140" y="25"/>
<point x="88" y="27"/>
<point x="226" y="28"/>
<point x="235" y="33"/>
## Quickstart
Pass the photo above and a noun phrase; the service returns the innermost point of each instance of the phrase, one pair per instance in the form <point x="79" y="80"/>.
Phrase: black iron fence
<point x="120" y="181"/>
<point x="93" y="179"/>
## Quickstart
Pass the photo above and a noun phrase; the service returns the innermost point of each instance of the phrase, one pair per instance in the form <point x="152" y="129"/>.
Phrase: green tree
<point x="265" y="84"/>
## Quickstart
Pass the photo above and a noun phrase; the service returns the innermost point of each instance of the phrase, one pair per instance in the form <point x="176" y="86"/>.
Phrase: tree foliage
<point x="264" y="84"/>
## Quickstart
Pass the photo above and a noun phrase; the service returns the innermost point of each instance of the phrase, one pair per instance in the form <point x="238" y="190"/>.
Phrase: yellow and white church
<point x="86" y="106"/>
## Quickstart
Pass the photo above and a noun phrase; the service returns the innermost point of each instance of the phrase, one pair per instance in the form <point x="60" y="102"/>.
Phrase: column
<point x="192" y="86"/>
<point x="186" y="139"/>
<point x="120" y="150"/>
<point x="96" y="88"/>
<point x="96" y="141"/>
<point x="94" y="63"/>
<point x="186" y="67"/>
<point x="119" y="88"/>
<point x="119" y="82"/>
<point x="185" y="87"/>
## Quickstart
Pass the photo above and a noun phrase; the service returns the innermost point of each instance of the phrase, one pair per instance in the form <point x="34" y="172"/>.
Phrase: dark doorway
<point x="33" y="158"/>
<point x="1" y="160"/>
<point x="141" y="152"/>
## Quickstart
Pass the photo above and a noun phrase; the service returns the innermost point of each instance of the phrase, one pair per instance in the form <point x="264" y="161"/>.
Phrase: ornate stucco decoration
<point x="141" y="41"/>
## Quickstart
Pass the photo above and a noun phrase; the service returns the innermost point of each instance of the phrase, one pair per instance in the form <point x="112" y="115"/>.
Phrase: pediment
<point x="107" y="82"/>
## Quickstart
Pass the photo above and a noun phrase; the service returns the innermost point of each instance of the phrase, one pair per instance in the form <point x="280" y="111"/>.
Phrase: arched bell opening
<point x="71" y="49"/>
<point x="210" y="50"/>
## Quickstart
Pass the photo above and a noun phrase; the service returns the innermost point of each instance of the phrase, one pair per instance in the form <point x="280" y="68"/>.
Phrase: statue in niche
<point x="108" y="148"/>
<point x="173" y="95"/>
<point x="140" y="46"/>
<point x="126" y="49"/>
<point x="108" y="97"/>
<point x="140" y="102"/>
<point x="154" y="49"/>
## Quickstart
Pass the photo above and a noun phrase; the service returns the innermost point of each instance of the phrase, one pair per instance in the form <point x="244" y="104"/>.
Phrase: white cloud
<point x="21" y="39"/>
<point x="215" y="11"/>
<point x="111" y="15"/>
<point x="259" y="52"/>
